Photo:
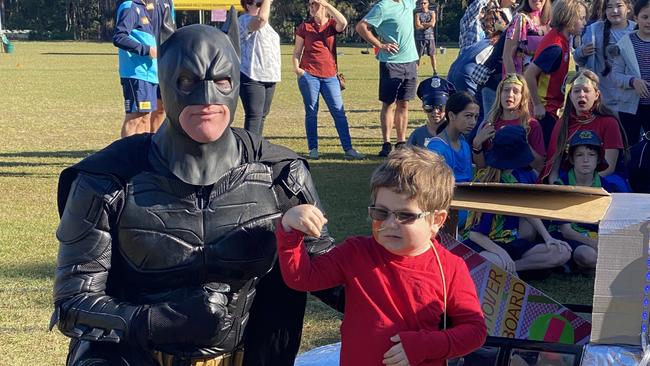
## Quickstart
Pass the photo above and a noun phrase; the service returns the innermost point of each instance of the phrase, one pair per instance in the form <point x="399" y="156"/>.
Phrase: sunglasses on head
<point x="431" y="108"/>
<point x="403" y="217"/>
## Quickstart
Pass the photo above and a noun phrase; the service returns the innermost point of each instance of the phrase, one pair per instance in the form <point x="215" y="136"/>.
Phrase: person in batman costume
<point x="166" y="239"/>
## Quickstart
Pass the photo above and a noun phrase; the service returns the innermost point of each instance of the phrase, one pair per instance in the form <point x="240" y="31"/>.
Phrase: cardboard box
<point x="623" y="247"/>
<point x="623" y="238"/>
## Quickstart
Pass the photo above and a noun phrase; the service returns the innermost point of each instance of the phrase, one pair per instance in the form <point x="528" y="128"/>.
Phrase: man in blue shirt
<point x="137" y="30"/>
<point x="393" y="22"/>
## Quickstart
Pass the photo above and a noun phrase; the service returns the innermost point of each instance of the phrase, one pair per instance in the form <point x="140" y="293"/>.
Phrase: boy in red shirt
<point x="399" y="282"/>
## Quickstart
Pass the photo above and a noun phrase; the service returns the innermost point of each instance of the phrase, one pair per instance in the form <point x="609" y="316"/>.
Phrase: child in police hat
<point x="586" y="157"/>
<point x="433" y="92"/>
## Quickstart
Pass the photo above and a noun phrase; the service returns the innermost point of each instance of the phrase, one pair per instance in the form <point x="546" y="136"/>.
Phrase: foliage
<point x="95" y="19"/>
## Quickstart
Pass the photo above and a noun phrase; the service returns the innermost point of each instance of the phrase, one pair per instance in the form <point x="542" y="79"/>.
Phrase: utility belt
<point x="235" y="358"/>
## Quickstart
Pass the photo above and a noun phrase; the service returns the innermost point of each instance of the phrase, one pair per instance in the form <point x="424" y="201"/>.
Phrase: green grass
<point x="61" y="101"/>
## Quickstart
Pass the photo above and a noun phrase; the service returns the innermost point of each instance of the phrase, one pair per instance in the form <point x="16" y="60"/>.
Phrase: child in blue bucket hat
<point x="498" y="237"/>
<point x="585" y="158"/>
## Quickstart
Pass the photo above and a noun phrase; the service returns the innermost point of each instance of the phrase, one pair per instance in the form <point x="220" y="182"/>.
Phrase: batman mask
<point x="195" y="64"/>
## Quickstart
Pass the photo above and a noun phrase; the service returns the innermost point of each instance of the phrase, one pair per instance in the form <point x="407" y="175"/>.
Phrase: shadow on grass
<point x="14" y="164"/>
<point x="29" y="271"/>
<point x="30" y="175"/>
<point x="73" y="154"/>
<point x="80" y="53"/>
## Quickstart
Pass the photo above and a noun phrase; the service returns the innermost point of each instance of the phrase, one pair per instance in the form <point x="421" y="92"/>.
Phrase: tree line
<point x="95" y="19"/>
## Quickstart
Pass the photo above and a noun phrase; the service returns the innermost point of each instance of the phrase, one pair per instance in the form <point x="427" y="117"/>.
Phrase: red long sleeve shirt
<point x="387" y="294"/>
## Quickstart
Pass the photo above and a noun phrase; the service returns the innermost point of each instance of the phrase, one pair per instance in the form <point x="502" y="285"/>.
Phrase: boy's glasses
<point x="403" y="217"/>
<point x="259" y="4"/>
<point x="432" y="108"/>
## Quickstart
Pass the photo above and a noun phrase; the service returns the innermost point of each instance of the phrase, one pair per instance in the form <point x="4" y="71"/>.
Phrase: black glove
<point x="197" y="317"/>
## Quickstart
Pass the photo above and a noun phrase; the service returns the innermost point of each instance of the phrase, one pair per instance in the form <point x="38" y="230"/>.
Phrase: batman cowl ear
<point x="231" y="28"/>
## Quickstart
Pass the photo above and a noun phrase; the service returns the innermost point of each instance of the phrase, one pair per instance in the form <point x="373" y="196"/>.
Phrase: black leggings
<point x="256" y="97"/>
<point x="632" y="123"/>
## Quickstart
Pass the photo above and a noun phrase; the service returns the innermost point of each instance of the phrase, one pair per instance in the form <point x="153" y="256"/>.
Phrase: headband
<point x="513" y="79"/>
<point x="584" y="80"/>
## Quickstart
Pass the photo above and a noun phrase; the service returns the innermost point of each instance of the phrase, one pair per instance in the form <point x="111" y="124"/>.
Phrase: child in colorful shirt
<point x="400" y="282"/>
<point x="586" y="157"/>
<point x="497" y="237"/>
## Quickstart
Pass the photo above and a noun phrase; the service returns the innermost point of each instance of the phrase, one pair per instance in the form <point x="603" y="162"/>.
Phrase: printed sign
<point x="514" y="309"/>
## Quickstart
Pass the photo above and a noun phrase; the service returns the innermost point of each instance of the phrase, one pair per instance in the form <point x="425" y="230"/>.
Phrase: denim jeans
<point x="311" y="87"/>
<point x="256" y="97"/>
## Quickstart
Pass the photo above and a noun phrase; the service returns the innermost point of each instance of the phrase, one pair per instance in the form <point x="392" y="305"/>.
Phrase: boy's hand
<point x="305" y="218"/>
<point x="396" y="355"/>
<point x="508" y="264"/>
<point x="560" y="243"/>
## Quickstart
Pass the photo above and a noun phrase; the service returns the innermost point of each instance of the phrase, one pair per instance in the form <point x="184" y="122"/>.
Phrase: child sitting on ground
<point x="461" y="112"/>
<point x="510" y="109"/>
<point x="586" y="158"/>
<point x="434" y="93"/>
<point x="498" y="237"/>
<point x="400" y="282"/>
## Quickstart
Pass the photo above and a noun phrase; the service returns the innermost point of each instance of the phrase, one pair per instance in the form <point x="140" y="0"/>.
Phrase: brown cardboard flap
<point x="565" y="203"/>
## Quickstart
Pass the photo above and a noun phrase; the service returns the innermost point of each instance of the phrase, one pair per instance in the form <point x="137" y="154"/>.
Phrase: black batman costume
<point x="164" y="241"/>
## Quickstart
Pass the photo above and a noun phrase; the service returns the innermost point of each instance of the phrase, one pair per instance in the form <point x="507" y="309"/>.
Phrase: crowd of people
<point x="168" y="239"/>
<point x="523" y="120"/>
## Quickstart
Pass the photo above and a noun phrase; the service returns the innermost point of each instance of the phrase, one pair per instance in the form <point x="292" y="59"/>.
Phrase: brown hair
<point x="496" y="111"/>
<point x="599" y="109"/>
<point x="419" y="174"/>
<point x="565" y="12"/>
<point x="544" y="15"/>
<point x="243" y="3"/>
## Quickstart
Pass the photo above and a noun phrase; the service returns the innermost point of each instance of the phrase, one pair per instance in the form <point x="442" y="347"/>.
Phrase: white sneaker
<point x="313" y="154"/>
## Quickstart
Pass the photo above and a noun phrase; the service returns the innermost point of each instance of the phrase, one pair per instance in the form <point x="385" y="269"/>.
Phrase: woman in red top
<point x="314" y="61"/>
<point x="511" y="109"/>
<point x="584" y="111"/>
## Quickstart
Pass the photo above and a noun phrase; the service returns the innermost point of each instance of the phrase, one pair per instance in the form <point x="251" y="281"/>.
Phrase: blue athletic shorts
<point x="139" y="95"/>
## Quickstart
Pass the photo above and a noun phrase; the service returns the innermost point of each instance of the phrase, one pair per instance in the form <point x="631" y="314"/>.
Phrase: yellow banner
<point x="206" y="4"/>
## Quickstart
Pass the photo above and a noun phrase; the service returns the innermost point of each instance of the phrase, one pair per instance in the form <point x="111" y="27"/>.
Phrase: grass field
<point x="61" y="101"/>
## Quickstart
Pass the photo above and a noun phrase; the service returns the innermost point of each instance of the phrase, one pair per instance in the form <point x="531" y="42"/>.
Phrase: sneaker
<point x="400" y="145"/>
<point x="386" y="148"/>
<point x="352" y="154"/>
<point x="313" y="154"/>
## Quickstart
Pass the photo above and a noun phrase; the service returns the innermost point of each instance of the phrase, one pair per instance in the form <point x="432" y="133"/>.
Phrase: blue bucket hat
<point x="510" y="149"/>
<point x="435" y="91"/>
<point x="587" y="138"/>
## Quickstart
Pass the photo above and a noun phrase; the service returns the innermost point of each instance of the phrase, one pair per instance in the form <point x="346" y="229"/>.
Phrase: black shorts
<point x="515" y="249"/>
<point x="426" y="47"/>
<point x="397" y="81"/>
